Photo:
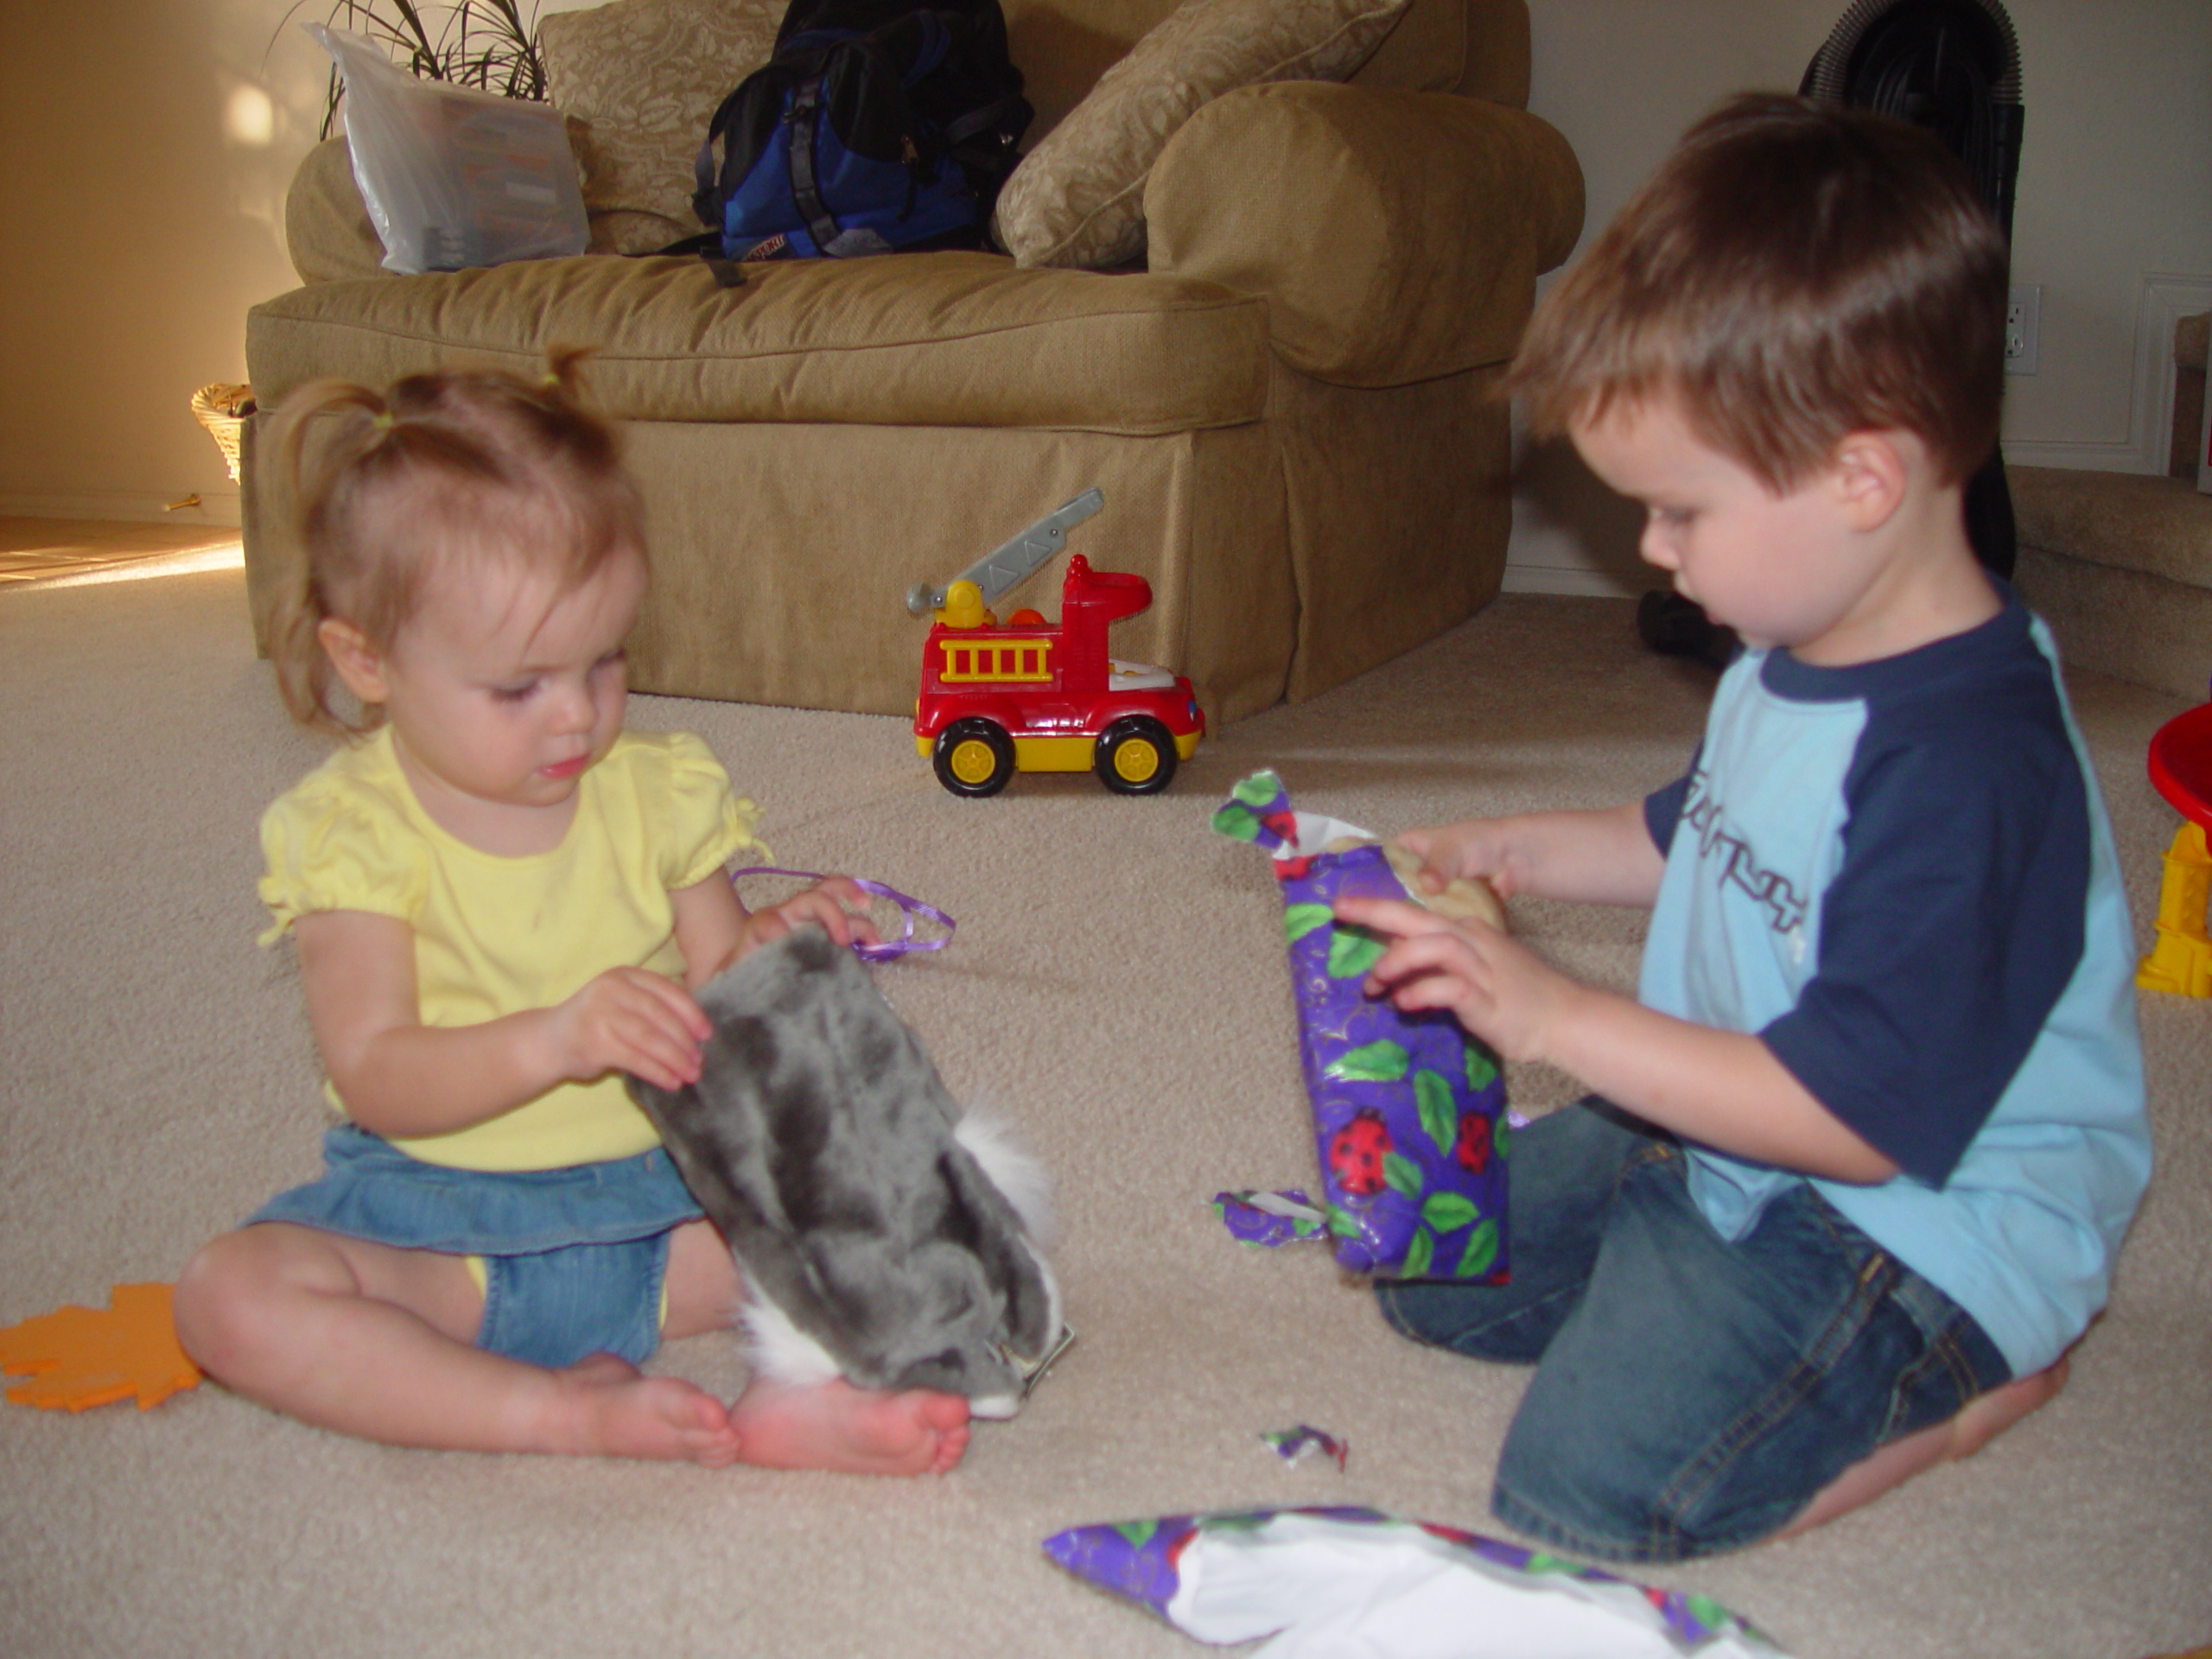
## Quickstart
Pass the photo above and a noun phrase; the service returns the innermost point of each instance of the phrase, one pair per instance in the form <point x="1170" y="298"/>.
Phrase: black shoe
<point x="1675" y="626"/>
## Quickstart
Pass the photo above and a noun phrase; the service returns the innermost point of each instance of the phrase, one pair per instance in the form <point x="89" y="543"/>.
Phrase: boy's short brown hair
<point x="1793" y="273"/>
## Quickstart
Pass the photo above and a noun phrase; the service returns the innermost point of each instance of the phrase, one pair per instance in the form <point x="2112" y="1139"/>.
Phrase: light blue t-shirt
<point x="1900" y="875"/>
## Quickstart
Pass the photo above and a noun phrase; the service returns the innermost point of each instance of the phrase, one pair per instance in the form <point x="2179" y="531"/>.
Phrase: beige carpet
<point x="1116" y="985"/>
<point x="87" y="551"/>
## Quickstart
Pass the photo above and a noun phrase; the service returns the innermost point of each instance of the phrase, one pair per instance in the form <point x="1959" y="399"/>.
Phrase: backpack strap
<point x="806" y="189"/>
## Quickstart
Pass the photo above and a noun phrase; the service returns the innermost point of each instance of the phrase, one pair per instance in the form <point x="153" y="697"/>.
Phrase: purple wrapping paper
<point x="1141" y="1561"/>
<point x="1409" y="1118"/>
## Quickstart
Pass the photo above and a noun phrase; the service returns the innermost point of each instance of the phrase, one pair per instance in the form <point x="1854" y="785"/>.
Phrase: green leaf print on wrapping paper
<point x="1343" y="1224"/>
<point x="1237" y="823"/>
<point x="1481" y="1251"/>
<point x="1259" y="790"/>
<point x="1501" y="1132"/>
<point x="1419" y="1255"/>
<point x="1448" y="1212"/>
<point x="1481" y="1069"/>
<point x="1139" y="1533"/>
<point x="1382" y="1062"/>
<point x="1298" y="920"/>
<point x="1434" y="1095"/>
<point x="1353" y="951"/>
<point x="1402" y="1174"/>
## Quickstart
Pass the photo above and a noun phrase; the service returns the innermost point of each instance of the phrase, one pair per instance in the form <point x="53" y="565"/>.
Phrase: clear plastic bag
<point x="452" y="176"/>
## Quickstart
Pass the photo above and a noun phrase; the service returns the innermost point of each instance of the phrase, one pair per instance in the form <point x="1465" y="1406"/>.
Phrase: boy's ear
<point x="359" y="663"/>
<point x="1870" y="474"/>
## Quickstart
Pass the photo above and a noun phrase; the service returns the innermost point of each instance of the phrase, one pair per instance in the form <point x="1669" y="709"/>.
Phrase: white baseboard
<point x="215" y="507"/>
<point x="2167" y="297"/>
<point x="1573" y="581"/>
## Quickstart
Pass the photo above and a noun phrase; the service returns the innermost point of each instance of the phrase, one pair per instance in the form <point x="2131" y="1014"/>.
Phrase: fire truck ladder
<point x="999" y="570"/>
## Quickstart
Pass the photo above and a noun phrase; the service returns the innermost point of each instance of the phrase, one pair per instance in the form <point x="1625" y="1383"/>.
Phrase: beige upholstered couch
<point x="1287" y="407"/>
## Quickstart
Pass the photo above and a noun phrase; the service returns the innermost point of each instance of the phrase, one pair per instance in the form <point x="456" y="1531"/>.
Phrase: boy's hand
<point x="629" y="1019"/>
<point x="1475" y="849"/>
<point x="1499" y="991"/>
<point x="836" y="901"/>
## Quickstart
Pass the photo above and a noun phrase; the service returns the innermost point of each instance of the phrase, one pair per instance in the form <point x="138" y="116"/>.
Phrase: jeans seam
<point x="1789" y="1390"/>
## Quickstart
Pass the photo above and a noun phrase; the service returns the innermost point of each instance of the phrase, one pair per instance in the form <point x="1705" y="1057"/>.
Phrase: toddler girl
<point x="501" y="902"/>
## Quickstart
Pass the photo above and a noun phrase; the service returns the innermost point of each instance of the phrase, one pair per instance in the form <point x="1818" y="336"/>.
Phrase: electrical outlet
<point x="2023" y="329"/>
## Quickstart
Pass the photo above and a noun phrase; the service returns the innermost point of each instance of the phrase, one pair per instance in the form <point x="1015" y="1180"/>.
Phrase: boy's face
<point x="1785" y="569"/>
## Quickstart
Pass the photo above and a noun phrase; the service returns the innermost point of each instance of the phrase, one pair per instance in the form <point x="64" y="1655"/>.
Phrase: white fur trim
<point x="780" y="1351"/>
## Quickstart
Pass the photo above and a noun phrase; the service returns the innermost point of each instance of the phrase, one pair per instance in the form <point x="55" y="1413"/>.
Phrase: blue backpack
<point x="876" y="126"/>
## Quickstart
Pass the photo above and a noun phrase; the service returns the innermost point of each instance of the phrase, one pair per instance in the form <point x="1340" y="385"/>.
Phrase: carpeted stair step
<point x="2121" y="565"/>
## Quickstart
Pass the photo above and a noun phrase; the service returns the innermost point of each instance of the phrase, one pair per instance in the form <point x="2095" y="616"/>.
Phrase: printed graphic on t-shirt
<point x="1735" y="865"/>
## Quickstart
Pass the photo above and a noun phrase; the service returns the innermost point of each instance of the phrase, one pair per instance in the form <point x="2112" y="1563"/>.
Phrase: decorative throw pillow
<point x="1077" y="199"/>
<point x="639" y="80"/>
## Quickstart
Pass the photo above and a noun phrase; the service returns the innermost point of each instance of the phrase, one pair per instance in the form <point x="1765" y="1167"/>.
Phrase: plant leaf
<point x="1481" y="1251"/>
<point x="1237" y="823"/>
<point x="1434" y="1095"/>
<point x="1380" y="1062"/>
<point x="1353" y="951"/>
<point x="1420" y="1255"/>
<point x="1482" y="1070"/>
<point x="1448" y="1212"/>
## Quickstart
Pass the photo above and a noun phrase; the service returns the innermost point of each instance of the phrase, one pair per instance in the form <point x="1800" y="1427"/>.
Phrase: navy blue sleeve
<point x="1950" y="932"/>
<point x="1662" y="807"/>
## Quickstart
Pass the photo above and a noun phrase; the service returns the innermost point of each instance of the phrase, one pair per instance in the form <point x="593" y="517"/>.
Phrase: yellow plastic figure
<point x="2181" y="769"/>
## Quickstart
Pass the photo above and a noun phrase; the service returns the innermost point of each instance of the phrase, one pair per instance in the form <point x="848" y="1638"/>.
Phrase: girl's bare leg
<point x="379" y="1343"/>
<point x="917" y="1431"/>
<point x="1983" y="1419"/>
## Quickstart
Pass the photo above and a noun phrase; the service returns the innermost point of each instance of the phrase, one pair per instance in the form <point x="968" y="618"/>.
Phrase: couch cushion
<point x="639" y="80"/>
<point x="1077" y="198"/>
<point x="955" y="339"/>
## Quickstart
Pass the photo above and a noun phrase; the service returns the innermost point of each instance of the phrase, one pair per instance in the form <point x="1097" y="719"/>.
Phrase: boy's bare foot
<point x="835" y="1426"/>
<point x="611" y="1408"/>
<point x="1981" y="1421"/>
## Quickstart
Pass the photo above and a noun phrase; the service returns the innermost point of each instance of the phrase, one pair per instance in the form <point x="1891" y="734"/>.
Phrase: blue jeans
<point x="1692" y="1395"/>
<point x="573" y="1259"/>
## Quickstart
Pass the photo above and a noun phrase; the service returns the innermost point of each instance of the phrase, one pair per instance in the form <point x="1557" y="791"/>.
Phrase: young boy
<point x="1862" y="1150"/>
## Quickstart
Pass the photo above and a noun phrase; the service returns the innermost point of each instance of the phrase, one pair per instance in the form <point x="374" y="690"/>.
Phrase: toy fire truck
<point x="1032" y="696"/>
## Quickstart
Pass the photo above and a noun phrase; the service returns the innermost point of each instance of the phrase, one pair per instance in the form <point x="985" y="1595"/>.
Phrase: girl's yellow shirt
<point x="495" y="935"/>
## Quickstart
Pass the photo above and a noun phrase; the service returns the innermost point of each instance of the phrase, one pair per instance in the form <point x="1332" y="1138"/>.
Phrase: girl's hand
<point x="836" y="901"/>
<point x="629" y="1019"/>
<point x="1497" y="989"/>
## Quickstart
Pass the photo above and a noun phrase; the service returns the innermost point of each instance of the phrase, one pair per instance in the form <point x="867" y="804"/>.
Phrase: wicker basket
<point x="222" y="410"/>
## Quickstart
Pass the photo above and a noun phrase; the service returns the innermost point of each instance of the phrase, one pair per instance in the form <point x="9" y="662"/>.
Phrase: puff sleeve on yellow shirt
<point x="329" y="844"/>
<point x="706" y="824"/>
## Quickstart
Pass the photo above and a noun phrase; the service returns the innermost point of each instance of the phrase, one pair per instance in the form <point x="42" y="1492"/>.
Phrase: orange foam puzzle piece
<point x="84" y="1356"/>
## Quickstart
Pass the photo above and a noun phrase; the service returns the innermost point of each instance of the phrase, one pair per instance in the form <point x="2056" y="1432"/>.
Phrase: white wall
<point x="2114" y="215"/>
<point x="145" y="146"/>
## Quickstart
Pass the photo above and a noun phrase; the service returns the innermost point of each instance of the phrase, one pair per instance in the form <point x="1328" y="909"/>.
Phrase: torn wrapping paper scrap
<point x="1409" y="1116"/>
<point x="1320" y="1583"/>
<point x="1270" y="1219"/>
<point x="1292" y="1443"/>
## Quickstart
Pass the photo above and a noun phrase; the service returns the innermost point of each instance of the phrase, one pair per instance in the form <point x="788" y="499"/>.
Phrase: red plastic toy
<point x="2181" y="769"/>
<point x="1033" y="696"/>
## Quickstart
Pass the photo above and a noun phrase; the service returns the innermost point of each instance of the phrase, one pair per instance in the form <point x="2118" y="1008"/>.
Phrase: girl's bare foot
<point x="1981" y="1421"/>
<point x="835" y="1426"/>
<point x="609" y="1407"/>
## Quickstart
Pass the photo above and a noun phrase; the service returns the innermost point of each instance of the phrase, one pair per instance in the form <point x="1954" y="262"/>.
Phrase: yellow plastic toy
<point x="2181" y="769"/>
<point x="85" y="1356"/>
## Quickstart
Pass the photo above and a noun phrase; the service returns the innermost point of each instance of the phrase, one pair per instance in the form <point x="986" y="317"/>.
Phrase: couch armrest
<point x="326" y="228"/>
<point x="1397" y="235"/>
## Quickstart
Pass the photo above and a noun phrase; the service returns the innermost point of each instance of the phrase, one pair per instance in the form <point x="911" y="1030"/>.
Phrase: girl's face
<point x="501" y="691"/>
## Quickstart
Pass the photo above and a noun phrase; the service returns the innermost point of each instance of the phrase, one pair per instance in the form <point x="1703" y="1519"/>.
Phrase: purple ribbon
<point x="909" y="908"/>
